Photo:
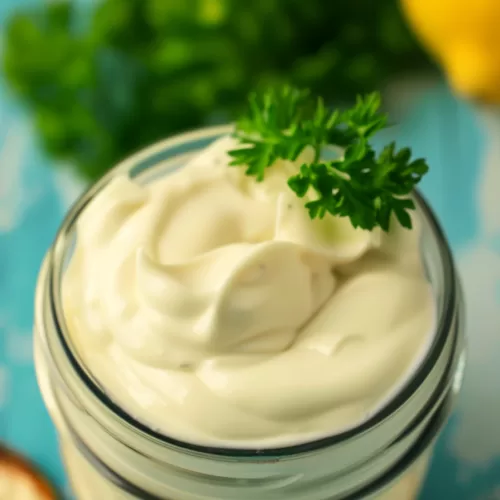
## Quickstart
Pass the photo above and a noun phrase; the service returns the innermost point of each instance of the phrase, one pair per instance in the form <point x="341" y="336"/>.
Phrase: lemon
<point x="464" y="36"/>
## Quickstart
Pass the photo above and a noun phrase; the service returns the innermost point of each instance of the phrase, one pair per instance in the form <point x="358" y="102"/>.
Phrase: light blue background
<point x="465" y="172"/>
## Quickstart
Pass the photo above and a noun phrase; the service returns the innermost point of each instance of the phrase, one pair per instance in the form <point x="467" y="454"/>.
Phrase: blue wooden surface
<point x="461" y="186"/>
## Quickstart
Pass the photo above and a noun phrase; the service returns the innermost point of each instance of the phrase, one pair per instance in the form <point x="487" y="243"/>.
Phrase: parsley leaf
<point x="280" y="123"/>
<point x="366" y="187"/>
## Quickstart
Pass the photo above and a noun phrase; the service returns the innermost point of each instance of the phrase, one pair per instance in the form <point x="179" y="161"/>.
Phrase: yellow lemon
<point x="464" y="36"/>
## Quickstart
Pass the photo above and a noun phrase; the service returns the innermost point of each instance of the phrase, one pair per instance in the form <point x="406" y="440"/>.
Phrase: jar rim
<point x="385" y="481"/>
<point x="55" y="261"/>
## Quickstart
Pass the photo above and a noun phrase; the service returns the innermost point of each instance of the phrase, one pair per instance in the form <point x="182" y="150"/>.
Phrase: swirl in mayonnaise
<point x="214" y="310"/>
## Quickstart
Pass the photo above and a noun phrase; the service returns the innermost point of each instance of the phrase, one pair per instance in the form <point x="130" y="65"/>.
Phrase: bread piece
<point x="19" y="480"/>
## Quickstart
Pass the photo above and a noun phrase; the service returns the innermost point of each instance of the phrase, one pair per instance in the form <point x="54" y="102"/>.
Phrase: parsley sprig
<point x="366" y="187"/>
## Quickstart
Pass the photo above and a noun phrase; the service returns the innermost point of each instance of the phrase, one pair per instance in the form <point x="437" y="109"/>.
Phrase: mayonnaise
<point x="213" y="310"/>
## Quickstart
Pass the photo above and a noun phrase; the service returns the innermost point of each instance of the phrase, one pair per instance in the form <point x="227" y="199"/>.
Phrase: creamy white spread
<point x="214" y="310"/>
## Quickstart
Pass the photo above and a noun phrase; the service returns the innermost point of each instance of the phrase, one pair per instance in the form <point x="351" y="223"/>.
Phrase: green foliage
<point x="369" y="189"/>
<point x="276" y="125"/>
<point x="105" y="83"/>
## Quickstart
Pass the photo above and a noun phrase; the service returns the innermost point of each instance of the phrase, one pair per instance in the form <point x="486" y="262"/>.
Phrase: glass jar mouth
<point x="419" y="448"/>
<point x="138" y="164"/>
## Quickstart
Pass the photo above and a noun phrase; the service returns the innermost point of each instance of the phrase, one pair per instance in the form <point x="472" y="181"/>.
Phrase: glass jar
<point x="110" y="455"/>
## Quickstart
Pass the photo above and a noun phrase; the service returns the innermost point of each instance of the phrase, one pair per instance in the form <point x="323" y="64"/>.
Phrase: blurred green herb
<point x="369" y="189"/>
<point x="106" y="82"/>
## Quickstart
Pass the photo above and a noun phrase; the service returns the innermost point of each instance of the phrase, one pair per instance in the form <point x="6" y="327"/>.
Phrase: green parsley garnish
<point x="366" y="187"/>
